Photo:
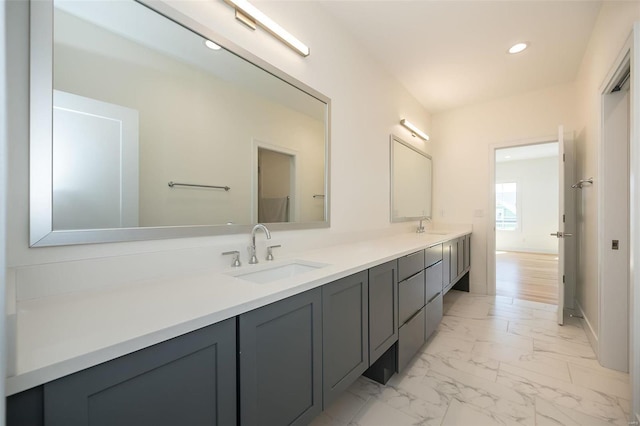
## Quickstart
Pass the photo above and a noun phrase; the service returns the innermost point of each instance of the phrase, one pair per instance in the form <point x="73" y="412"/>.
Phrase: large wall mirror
<point x="411" y="182"/>
<point x="143" y="126"/>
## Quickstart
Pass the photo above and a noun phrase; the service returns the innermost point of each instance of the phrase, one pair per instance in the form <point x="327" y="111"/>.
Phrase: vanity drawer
<point x="411" y="337"/>
<point x="434" y="315"/>
<point x="434" y="280"/>
<point x="410" y="297"/>
<point x="410" y="265"/>
<point x="433" y="255"/>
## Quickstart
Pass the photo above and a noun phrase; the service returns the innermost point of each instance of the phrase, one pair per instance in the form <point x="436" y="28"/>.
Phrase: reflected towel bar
<point x="172" y="184"/>
<point x="318" y="196"/>
<point x="581" y="183"/>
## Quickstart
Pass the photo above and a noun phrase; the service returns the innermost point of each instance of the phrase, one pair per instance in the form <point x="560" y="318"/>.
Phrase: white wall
<point x="462" y="142"/>
<point x="367" y="105"/>
<point x="537" y="181"/>
<point x="610" y="32"/>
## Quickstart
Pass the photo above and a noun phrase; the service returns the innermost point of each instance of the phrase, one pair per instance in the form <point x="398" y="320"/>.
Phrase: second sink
<point x="269" y="273"/>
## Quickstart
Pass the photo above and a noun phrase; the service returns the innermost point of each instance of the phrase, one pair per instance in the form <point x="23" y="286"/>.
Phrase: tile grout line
<point x="570" y="375"/>
<point x="366" y="401"/>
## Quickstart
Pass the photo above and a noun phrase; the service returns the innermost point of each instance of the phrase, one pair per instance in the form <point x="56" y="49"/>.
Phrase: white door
<point x="95" y="164"/>
<point x="561" y="234"/>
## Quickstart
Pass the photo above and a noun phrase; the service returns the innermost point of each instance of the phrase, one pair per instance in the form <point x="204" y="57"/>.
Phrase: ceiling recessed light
<point x="518" y="47"/>
<point x="211" y="45"/>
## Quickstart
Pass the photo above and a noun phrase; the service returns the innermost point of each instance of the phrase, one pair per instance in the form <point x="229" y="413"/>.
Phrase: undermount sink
<point x="267" y="273"/>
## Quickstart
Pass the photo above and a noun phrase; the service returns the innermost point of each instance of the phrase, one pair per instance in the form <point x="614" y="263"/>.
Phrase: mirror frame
<point x="393" y="138"/>
<point x="41" y="232"/>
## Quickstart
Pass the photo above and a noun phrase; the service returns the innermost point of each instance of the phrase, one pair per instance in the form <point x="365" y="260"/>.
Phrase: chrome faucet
<point x="420" y="229"/>
<point x="253" y="259"/>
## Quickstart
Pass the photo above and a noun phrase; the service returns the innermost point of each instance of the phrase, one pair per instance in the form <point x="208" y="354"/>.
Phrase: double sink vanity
<point x="273" y="343"/>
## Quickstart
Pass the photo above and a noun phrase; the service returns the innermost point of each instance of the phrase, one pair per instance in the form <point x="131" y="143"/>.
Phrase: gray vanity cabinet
<point x="433" y="281"/>
<point x="411" y="337"/>
<point x="434" y="298"/>
<point x="446" y="267"/>
<point x="454" y="261"/>
<point x="383" y="309"/>
<point x="463" y="257"/>
<point x="190" y="379"/>
<point x="280" y="361"/>
<point x="434" y="284"/>
<point x="411" y="294"/>
<point x="461" y="251"/>
<point x="467" y="252"/>
<point x="345" y="333"/>
<point x="434" y="315"/>
<point x="411" y="309"/>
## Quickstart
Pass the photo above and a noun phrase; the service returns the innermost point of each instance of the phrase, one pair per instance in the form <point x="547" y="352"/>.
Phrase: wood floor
<point x="527" y="276"/>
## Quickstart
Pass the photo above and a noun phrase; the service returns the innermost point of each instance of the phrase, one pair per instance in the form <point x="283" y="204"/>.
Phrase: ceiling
<point x="451" y="53"/>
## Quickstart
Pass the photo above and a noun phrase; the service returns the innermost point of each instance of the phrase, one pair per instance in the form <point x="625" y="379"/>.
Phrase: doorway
<point x="526" y="212"/>
<point x="276" y="175"/>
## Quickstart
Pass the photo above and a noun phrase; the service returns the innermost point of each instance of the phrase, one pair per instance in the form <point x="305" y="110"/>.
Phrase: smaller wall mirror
<point x="411" y="182"/>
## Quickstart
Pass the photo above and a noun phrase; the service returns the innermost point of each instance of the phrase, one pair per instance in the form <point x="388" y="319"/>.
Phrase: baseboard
<point x="586" y="325"/>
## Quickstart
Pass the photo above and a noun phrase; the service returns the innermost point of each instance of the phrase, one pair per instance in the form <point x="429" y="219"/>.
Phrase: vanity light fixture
<point x="246" y="11"/>
<point x="414" y="130"/>
<point x="518" y="47"/>
<point x="211" y="45"/>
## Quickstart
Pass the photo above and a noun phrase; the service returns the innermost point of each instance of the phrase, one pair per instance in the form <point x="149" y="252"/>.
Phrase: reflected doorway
<point x="526" y="194"/>
<point x="276" y="175"/>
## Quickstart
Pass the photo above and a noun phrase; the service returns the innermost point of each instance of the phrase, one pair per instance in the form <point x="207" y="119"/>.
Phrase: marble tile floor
<point x="493" y="361"/>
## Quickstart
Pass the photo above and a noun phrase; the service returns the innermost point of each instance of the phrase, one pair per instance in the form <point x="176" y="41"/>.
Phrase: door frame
<point x="294" y="207"/>
<point x="491" y="222"/>
<point x="4" y="84"/>
<point x="634" y="242"/>
<point x="631" y="50"/>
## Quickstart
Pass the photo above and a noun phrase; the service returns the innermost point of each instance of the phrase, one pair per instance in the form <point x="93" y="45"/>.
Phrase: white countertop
<point x="63" y="334"/>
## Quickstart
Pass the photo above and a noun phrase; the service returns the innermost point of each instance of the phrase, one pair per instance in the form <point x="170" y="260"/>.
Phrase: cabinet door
<point x="432" y="255"/>
<point x="26" y="408"/>
<point x="411" y="337"/>
<point x="281" y="361"/>
<point x="446" y="265"/>
<point x="454" y="260"/>
<point x="434" y="315"/>
<point x="467" y="252"/>
<point x="411" y="297"/>
<point x="433" y="281"/>
<point x="383" y="309"/>
<point x="345" y="333"/>
<point x="187" y="380"/>
<point x="461" y="250"/>
<point x="410" y="265"/>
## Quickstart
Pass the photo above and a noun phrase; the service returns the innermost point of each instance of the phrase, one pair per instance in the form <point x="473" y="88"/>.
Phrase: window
<point x="506" y="213"/>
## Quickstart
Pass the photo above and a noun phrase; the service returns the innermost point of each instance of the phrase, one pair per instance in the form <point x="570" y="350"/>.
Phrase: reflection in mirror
<point x="411" y="182"/>
<point x="139" y="101"/>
